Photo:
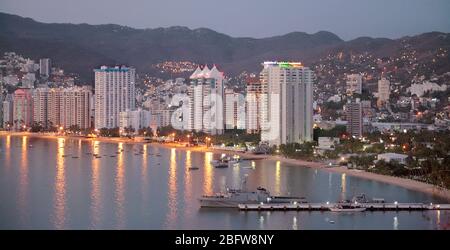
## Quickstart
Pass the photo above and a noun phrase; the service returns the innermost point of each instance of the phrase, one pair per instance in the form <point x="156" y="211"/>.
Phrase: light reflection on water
<point x="60" y="187"/>
<point x="23" y="181"/>
<point x="96" y="194"/>
<point x="137" y="189"/>
<point x="172" y="190"/>
<point x="120" y="188"/>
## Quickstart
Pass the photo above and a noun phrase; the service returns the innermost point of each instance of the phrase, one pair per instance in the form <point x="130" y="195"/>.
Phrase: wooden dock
<point x="326" y="206"/>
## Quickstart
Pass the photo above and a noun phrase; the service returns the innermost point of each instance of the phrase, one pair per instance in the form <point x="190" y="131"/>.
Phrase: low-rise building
<point x="389" y="157"/>
<point x="328" y="143"/>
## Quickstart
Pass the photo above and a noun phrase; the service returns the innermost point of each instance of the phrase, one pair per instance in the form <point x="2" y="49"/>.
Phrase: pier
<point x="327" y="206"/>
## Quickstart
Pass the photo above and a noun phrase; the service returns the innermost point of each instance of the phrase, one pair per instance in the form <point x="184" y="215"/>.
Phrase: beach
<point x="402" y="182"/>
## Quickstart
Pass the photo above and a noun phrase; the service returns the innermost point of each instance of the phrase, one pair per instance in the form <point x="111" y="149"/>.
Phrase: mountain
<point x="79" y="48"/>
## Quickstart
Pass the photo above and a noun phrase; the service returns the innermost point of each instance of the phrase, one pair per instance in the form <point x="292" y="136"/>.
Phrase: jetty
<point x="396" y="206"/>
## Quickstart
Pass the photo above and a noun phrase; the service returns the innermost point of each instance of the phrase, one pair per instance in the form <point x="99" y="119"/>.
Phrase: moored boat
<point x="343" y="208"/>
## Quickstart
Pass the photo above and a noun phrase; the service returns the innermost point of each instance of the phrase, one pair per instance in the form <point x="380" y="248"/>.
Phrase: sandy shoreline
<point x="402" y="182"/>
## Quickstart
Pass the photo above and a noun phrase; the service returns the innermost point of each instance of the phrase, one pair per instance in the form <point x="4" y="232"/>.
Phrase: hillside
<point x="79" y="48"/>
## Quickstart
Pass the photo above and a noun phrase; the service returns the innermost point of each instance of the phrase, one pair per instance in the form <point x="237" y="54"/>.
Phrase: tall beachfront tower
<point x="22" y="108"/>
<point x="253" y="105"/>
<point x="114" y="93"/>
<point x="206" y="107"/>
<point x="286" y="108"/>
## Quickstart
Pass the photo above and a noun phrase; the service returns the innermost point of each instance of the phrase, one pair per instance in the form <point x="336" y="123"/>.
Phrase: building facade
<point x="253" y="106"/>
<point x="22" y="108"/>
<point x="234" y="110"/>
<point x="114" y="93"/>
<point x="206" y="92"/>
<point x="286" y="108"/>
<point x="354" y="84"/>
<point x="75" y="107"/>
<point x="45" y="67"/>
<point x="383" y="91"/>
<point x="7" y="113"/>
<point x="63" y="107"/>
<point x="135" y="119"/>
<point x="354" y="117"/>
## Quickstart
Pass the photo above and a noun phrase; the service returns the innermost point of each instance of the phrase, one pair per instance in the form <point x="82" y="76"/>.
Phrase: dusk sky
<point x="250" y="18"/>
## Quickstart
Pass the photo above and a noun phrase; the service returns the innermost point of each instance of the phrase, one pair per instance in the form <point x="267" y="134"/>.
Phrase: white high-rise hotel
<point x="114" y="93"/>
<point x="286" y="109"/>
<point x="206" y="101"/>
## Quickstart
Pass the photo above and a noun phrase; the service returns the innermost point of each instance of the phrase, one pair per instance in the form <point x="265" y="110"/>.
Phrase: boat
<point x="193" y="168"/>
<point x="221" y="163"/>
<point x="75" y="157"/>
<point x="347" y="208"/>
<point x="224" y="162"/>
<point x="232" y="198"/>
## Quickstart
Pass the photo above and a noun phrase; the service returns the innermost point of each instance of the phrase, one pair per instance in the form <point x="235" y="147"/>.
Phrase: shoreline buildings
<point x="287" y="100"/>
<point x="114" y="93"/>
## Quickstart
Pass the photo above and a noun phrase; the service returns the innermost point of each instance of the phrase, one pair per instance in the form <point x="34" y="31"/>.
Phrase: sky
<point x="348" y="19"/>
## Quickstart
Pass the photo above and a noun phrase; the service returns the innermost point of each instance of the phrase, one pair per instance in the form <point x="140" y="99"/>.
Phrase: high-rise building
<point x="383" y="91"/>
<point x="54" y="107"/>
<point x="40" y="106"/>
<point x="354" y="117"/>
<point x="354" y="84"/>
<point x="206" y="100"/>
<point x="253" y="106"/>
<point x="66" y="107"/>
<point x="22" y="108"/>
<point x="1" y="101"/>
<point x="7" y="108"/>
<point x="234" y="110"/>
<point x="45" y="67"/>
<point x="114" y="93"/>
<point x="75" y="107"/>
<point x="287" y="112"/>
